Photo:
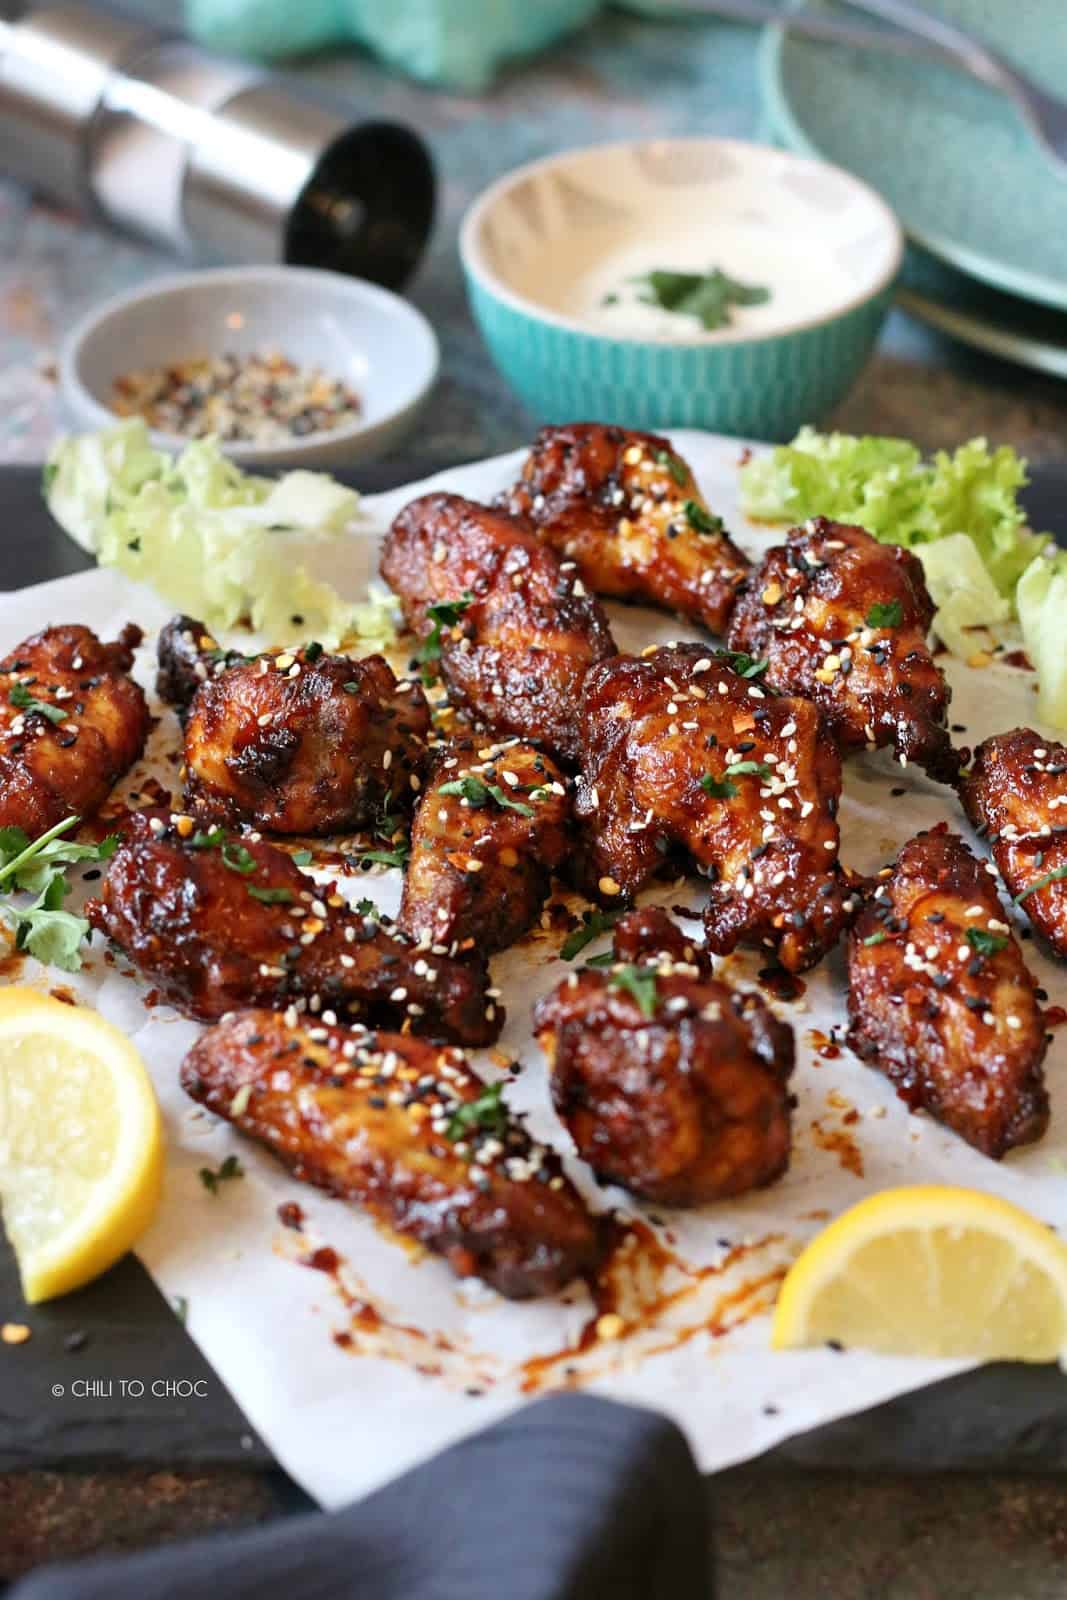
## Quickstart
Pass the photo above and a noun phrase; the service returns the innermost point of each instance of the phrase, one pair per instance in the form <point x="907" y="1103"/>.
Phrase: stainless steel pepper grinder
<point x="204" y="155"/>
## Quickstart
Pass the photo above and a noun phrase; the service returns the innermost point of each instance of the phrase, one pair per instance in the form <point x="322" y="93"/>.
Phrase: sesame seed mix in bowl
<point x="261" y="399"/>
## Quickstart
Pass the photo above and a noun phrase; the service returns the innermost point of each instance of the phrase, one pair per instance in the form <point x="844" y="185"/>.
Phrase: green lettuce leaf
<point x="1042" y="600"/>
<point x="207" y="535"/>
<point x="962" y="588"/>
<point x="886" y="486"/>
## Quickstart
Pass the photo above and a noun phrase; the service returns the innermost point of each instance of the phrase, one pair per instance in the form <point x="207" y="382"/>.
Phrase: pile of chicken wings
<point x="521" y="747"/>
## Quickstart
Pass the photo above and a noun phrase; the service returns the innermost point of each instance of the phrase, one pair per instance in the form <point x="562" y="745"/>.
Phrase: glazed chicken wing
<point x="298" y="741"/>
<point x="218" y="923"/>
<point x="671" y="1083"/>
<point x="72" y="722"/>
<point x="491" y="827"/>
<point x="681" y="751"/>
<point x="410" y="1133"/>
<point x="1015" y="794"/>
<point x="940" y="999"/>
<point x="625" y="508"/>
<point x="523" y="632"/>
<point x="843" y="620"/>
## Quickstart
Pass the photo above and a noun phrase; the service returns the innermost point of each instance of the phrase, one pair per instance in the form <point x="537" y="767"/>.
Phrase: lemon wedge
<point x="81" y="1142"/>
<point x="930" y="1272"/>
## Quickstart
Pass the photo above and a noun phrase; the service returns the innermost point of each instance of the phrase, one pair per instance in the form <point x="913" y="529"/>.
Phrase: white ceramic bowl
<point x="376" y="342"/>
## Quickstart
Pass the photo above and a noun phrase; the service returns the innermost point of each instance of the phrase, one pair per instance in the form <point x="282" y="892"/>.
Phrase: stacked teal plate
<point x="955" y="161"/>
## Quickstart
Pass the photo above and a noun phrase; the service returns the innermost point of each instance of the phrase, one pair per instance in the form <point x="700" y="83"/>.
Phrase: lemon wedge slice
<point x="930" y="1272"/>
<point x="81" y="1142"/>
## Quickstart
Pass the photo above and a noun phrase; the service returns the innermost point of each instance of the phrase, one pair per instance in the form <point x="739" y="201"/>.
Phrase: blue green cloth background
<point x="456" y="43"/>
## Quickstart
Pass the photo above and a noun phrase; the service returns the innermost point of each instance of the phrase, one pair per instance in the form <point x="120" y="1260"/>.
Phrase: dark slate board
<point x="1007" y="1418"/>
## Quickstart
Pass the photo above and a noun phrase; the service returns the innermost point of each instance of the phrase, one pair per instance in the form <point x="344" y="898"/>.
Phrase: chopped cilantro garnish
<point x="21" y="698"/>
<point x="270" y="896"/>
<point x="877" y="938"/>
<point x="742" y="663"/>
<point x="312" y="650"/>
<point x="700" y="520"/>
<point x="205" y="841"/>
<point x="639" y="982"/>
<point x="237" y="858"/>
<point x="44" y="929"/>
<point x="707" y="296"/>
<point x="605" y="960"/>
<point x="594" y="923"/>
<point x="478" y="794"/>
<point x="302" y="858"/>
<point x="443" y="614"/>
<point x="757" y="769"/>
<point x="487" y="1113"/>
<point x="230" y="1168"/>
<point x="718" y="788"/>
<point x="986" y="943"/>
<point x="385" y="858"/>
<point x="886" y="614"/>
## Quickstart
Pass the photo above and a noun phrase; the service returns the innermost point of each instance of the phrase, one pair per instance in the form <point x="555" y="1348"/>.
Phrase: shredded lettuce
<point x="1042" y="600"/>
<point x="963" y="591"/>
<point x="206" y="534"/>
<point x="891" y="490"/>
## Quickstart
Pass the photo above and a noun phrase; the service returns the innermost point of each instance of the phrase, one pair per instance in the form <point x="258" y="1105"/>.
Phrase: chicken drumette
<point x="409" y="1132"/>
<point x="294" y="741"/>
<point x="218" y="923"/>
<point x="671" y="1083"/>
<point x="843" y="620"/>
<point x="682" y="751"/>
<point x="491" y="827"/>
<point x="72" y="722"/>
<point x="512" y="632"/>
<point x="625" y="508"/>
<point x="1015" y="794"/>
<point x="940" y="999"/>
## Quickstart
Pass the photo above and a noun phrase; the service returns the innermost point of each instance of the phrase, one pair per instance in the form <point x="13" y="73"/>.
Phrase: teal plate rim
<point x="989" y="269"/>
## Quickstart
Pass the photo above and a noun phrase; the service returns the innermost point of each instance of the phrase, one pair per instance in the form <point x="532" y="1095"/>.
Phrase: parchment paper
<point x="344" y="1404"/>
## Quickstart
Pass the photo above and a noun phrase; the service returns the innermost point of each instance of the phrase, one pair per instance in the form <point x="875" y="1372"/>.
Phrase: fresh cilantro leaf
<point x="707" y="296"/>
<point x="886" y="614"/>
<point x="718" y="788"/>
<point x="1055" y="876"/>
<point x="639" y="982"/>
<point x="385" y="858"/>
<point x="230" y="1168"/>
<point x="270" y="896"/>
<point x="877" y="938"/>
<point x="45" y="930"/>
<point x="986" y="943"/>
<point x="605" y="960"/>
<point x="757" y="769"/>
<point x="675" y="467"/>
<point x="478" y="794"/>
<point x="350" y="688"/>
<point x="702" y="521"/>
<point x="367" y="908"/>
<point x="312" y="650"/>
<point x="488" y="1113"/>
<point x="21" y="698"/>
<point x="443" y="614"/>
<point x="742" y="663"/>
<point x="302" y="858"/>
<point x="594" y="923"/>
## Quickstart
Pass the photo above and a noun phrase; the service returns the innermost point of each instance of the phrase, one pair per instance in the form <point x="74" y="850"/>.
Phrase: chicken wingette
<point x="511" y="631"/>
<point x="843" y="620"/>
<point x="72" y="722"/>
<point x="217" y="922"/>
<point x="941" y="1001"/>
<point x="408" y="1132"/>
<point x="490" y="828"/>
<point x="625" y="508"/>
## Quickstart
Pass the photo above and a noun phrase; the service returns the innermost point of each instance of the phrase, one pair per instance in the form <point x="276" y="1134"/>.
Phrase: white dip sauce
<point x="803" y="277"/>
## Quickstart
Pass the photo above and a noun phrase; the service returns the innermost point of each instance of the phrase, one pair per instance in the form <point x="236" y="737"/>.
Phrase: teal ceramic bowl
<point x="556" y="257"/>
